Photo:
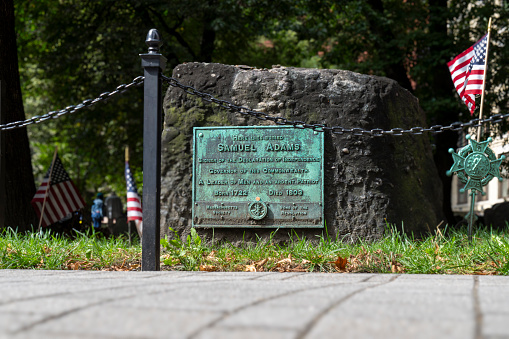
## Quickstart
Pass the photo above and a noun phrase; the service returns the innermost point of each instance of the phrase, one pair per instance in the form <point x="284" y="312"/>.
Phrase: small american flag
<point x="62" y="197"/>
<point x="134" y="211"/>
<point x="467" y="72"/>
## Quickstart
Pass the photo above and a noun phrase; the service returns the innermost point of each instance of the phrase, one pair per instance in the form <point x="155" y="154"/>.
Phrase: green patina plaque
<point x="258" y="176"/>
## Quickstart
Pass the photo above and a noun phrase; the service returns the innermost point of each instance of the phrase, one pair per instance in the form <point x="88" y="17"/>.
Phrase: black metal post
<point x="3" y="194"/>
<point x="153" y="63"/>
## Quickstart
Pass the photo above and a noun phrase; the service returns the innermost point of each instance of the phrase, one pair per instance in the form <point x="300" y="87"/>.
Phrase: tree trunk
<point x="443" y="87"/>
<point x="18" y="175"/>
<point x="208" y="36"/>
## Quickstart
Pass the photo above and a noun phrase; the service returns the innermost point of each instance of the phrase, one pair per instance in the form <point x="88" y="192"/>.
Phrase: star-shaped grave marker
<point x="475" y="165"/>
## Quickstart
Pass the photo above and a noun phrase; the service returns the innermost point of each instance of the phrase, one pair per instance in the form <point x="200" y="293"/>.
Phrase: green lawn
<point x="50" y="251"/>
<point x="443" y="252"/>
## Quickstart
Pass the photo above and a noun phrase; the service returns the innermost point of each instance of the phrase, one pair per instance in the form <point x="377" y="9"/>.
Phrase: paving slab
<point x="93" y="304"/>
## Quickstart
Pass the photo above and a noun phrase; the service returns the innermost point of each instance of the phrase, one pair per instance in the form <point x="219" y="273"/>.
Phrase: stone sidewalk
<point x="91" y="304"/>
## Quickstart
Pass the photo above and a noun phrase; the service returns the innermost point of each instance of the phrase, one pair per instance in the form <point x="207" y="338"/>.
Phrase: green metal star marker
<point x="475" y="165"/>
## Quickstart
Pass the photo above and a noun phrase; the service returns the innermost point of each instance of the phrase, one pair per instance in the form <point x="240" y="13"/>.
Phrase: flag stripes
<point x="467" y="72"/>
<point x="134" y="210"/>
<point x="62" y="196"/>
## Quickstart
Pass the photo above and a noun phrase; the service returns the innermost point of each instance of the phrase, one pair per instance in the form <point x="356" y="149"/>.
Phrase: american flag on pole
<point x="62" y="197"/>
<point x="467" y="72"/>
<point x="134" y="211"/>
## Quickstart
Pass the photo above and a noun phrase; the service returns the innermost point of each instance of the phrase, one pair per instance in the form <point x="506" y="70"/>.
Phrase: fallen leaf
<point x="211" y="256"/>
<point x="74" y="266"/>
<point x="117" y="268"/>
<point x="299" y="268"/>
<point x="396" y="267"/>
<point x="484" y="272"/>
<point x="208" y="268"/>
<point x="285" y="261"/>
<point x="259" y="264"/>
<point x="340" y="263"/>
<point x="250" y="268"/>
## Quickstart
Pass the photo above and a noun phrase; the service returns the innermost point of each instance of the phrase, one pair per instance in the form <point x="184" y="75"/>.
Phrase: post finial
<point x="153" y="41"/>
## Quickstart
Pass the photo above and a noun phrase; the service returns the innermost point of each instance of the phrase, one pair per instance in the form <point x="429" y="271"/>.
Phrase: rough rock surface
<point x="369" y="181"/>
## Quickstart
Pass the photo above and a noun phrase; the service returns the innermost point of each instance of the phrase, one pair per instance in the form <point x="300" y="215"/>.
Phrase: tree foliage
<point x="71" y="50"/>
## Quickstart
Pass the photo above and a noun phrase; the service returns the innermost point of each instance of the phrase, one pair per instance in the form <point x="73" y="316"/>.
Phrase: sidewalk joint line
<point x="261" y="276"/>
<point x="59" y="315"/>
<point x="477" y="310"/>
<point x="294" y="275"/>
<point x="257" y="302"/>
<point x="326" y="310"/>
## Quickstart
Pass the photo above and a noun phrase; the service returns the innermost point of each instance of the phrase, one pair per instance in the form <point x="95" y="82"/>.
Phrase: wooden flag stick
<point x="128" y="221"/>
<point x="48" y="188"/>
<point x="484" y="80"/>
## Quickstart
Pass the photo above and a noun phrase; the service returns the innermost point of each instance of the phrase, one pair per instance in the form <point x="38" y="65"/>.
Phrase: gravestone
<point x="117" y="219"/>
<point x="497" y="216"/>
<point x="369" y="182"/>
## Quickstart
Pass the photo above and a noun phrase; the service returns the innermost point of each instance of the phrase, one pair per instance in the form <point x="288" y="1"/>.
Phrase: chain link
<point x="376" y="132"/>
<point x="72" y="109"/>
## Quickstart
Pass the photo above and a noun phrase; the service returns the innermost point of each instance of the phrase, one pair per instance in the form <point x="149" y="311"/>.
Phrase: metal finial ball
<point x="468" y="136"/>
<point x="451" y="150"/>
<point x="153" y="41"/>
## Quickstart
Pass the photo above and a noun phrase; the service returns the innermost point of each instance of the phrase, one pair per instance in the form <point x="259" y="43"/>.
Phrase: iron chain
<point x="72" y="109"/>
<point x="376" y="132"/>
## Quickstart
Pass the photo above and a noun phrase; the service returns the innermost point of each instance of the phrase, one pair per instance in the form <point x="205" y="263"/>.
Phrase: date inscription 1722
<point x="257" y="177"/>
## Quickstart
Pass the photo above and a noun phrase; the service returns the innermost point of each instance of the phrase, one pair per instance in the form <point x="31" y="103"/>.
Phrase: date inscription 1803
<point x="259" y="177"/>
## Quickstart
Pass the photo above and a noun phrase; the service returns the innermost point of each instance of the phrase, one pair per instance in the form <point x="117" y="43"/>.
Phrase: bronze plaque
<point x="258" y="176"/>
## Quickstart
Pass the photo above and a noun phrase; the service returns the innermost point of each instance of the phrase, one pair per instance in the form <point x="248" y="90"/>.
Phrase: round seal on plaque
<point x="257" y="210"/>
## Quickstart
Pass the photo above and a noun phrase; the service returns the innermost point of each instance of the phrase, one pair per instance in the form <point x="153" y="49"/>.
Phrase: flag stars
<point x="479" y="54"/>
<point x="59" y="198"/>
<point x="467" y="72"/>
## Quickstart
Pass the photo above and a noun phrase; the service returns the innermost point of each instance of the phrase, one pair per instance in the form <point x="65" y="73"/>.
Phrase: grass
<point x="50" y="251"/>
<point x="443" y="252"/>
